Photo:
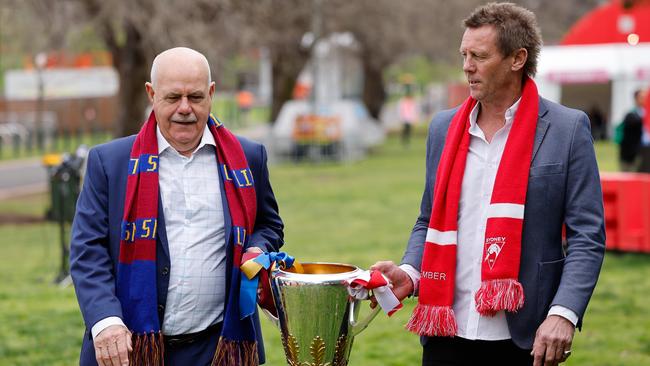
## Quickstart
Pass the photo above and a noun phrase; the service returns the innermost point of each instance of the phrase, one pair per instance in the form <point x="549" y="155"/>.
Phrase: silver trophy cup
<point x="316" y="316"/>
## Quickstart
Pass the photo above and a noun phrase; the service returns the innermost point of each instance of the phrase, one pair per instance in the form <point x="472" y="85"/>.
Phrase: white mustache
<point x="184" y="119"/>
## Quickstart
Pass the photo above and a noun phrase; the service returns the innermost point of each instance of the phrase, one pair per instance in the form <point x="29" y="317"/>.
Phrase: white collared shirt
<point x="191" y="198"/>
<point x="481" y="167"/>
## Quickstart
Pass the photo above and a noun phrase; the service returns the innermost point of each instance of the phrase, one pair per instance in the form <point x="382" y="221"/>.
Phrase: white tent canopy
<point x="627" y="67"/>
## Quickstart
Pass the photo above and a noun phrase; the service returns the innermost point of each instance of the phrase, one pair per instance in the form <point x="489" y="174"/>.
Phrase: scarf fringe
<point x="148" y="350"/>
<point x="429" y="320"/>
<point x="497" y="295"/>
<point x="236" y="353"/>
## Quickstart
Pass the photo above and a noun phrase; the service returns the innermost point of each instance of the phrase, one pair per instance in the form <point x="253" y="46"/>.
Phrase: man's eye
<point x="172" y="98"/>
<point x="196" y="98"/>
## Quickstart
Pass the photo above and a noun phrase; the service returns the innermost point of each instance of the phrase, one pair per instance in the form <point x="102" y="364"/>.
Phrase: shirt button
<point x="165" y="271"/>
<point x="187" y="222"/>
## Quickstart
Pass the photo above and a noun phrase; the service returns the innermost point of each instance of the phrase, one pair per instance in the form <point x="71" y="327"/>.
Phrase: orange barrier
<point x="626" y="197"/>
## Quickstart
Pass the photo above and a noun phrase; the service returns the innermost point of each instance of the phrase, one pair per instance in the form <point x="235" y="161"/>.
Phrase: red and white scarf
<point x="500" y="288"/>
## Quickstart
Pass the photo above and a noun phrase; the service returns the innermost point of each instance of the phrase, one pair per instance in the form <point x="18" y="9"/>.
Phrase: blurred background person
<point x="632" y="129"/>
<point x="408" y="114"/>
<point x="645" y="136"/>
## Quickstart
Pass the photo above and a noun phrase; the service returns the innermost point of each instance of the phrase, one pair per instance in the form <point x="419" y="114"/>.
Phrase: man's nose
<point x="468" y="65"/>
<point x="184" y="107"/>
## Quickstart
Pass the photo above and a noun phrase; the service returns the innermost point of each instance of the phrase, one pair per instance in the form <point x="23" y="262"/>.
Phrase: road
<point x="22" y="177"/>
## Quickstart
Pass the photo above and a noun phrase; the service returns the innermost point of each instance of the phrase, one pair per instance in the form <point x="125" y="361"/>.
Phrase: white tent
<point x="605" y="74"/>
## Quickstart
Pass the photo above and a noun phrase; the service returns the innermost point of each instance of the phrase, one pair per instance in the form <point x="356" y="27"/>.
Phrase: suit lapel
<point x="227" y="221"/>
<point x="162" y="228"/>
<point x="542" y="126"/>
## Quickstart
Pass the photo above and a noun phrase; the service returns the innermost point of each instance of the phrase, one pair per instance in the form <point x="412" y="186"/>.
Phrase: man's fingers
<point x="538" y="354"/>
<point x="383" y="266"/>
<point x="105" y="356"/>
<point x="113" y="352"/>
<point x="123" y="350"/>
<point x="550" y="354"/>
<point x="129" y="345"/>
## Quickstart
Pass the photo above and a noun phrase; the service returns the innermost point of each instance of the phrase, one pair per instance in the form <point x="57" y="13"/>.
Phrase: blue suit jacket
<point x="563" y="189"/>
<point x="95" y="239"/>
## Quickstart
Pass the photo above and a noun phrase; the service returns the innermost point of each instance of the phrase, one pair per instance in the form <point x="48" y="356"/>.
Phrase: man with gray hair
<point x="160" y="228"/>
<point x="505" y="172"/>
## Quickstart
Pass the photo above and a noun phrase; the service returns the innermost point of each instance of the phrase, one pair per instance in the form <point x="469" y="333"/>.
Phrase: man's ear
<point x="150" y="92"/>
<point x="212" y="89"/>
<point x="519" y="59"/>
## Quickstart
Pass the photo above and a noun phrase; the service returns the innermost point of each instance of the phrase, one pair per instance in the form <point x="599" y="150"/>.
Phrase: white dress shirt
<point x="191" y="198"/>
<point x="481" y="167"/>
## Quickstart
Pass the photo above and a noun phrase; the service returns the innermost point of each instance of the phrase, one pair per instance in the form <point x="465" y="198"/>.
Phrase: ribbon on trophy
<point x="360" y="287"/>
<point x="255" y="267"/>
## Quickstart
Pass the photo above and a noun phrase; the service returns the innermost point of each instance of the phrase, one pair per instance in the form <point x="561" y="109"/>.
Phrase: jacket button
<point x="165" y="271"/>
<point x="161" y="308"/>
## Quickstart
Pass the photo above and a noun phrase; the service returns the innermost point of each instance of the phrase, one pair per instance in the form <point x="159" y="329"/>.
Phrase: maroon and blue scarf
<point x="136" y="274"/>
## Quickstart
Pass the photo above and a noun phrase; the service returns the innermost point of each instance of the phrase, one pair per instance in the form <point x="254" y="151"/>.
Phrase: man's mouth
<point x="184" y="121"/>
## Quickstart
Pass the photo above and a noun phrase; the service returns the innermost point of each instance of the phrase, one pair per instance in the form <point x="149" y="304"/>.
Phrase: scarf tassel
<point x="148" y="350"/>
<point x="235" y="353"/>
<point x="429" y="320"/>
<point x="496" y="295"/>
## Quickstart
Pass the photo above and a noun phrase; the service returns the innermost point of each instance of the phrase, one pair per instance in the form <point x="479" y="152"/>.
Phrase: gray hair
<point x="516" y="28"/>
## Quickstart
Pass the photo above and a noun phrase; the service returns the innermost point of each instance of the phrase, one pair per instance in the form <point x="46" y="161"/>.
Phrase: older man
<point x="161" y="224"/>
<point x="504" y="173"/>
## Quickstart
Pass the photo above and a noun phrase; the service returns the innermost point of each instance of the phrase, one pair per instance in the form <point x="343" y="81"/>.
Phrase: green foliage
<point x="354" y="213"/>
<point x="421" y="71"/>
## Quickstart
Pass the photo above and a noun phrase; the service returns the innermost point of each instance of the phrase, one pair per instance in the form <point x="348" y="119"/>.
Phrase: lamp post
<point x="40" y="60"/>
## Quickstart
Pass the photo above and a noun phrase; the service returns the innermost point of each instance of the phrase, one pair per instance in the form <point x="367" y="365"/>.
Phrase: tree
<point x="279" y="26"/>
<point x="134" y="32"/>
<point x="387" y="31"/>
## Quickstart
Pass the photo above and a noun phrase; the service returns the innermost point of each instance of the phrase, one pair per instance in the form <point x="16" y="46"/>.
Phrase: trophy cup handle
<point x="358" y="326"/>
<point x="271" y="317"/>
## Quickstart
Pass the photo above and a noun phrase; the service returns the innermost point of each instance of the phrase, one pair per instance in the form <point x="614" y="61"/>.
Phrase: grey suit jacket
<point x="563" y="189"/>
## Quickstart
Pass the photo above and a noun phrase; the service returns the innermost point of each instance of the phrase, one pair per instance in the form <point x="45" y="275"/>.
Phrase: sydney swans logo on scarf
<point x="493" y="246"/>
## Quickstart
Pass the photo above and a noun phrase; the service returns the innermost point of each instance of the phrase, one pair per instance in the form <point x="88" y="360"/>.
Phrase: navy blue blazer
<point x="95" y="238"/>
<point x="563" y="189"/>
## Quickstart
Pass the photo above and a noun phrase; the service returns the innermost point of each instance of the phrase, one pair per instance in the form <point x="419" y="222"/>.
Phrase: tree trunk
<point x="285" y="73"/>
<point x="133" y="68"/>
<point x="374" y="94"/>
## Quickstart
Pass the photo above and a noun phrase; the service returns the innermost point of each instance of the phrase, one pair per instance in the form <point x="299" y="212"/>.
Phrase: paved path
<point x="22" y="177"/>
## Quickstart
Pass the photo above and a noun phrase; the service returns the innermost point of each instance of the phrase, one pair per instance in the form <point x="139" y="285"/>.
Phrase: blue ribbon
<point x="248" y="287"/>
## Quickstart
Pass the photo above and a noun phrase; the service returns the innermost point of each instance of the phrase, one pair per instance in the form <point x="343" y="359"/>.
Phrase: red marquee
<point x="619" y="21"/>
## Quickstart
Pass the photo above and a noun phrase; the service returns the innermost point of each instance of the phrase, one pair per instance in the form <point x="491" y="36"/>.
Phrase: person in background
<point x="644" y="165"/>
<point x="408" y="114"/>
<point x="505" y="172"/>
<point x="160" y="228"/>
<point x="632" y="131"/>
<point x="598" y="130"/>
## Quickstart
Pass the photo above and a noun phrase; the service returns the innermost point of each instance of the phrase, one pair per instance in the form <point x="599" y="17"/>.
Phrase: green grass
<point x="354" y="213"/>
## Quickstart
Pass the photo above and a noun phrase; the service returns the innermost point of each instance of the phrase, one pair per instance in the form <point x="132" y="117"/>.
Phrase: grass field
<point x="355" y="213"/>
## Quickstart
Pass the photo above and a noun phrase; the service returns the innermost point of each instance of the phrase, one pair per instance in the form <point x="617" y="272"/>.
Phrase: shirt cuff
<point x="105" y="323"/>
<point x="566" y="313"/>
<point x="414" y="274"/>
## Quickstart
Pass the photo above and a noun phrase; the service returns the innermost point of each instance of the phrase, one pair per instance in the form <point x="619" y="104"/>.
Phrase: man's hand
<point x="552" y="341"/>
<point x="112" y="346"/>
<point x="401" y="283"/>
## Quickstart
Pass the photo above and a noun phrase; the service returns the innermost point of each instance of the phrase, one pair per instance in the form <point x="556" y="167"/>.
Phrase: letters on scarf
<point x="500" y="288"/>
